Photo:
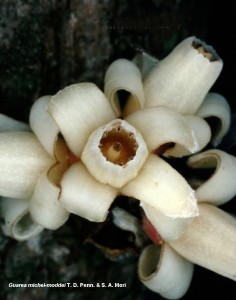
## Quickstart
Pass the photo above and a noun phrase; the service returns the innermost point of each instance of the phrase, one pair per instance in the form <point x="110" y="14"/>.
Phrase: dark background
<point x="46" y="45"/>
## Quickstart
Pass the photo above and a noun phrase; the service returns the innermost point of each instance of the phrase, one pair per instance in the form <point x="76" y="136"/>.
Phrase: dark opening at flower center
<point x="118" y="146"/>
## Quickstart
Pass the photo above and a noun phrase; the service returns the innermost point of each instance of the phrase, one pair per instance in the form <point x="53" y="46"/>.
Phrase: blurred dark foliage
<point x="46" y="45"/>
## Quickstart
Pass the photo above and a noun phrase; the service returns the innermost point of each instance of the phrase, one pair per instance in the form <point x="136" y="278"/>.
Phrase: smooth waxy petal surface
<point x="43" y="124"/>
<point x="210" y="241"/>
<point x="45" y="209"/>
<point x="182" y="79"/>
<point x="78" y="110"/>
<point x="168" y="228"/>
<point x="22" y="160"/>
<point x="159" y="125"/>
<point x="163" y="188"/>
<point x="82" y="195"/>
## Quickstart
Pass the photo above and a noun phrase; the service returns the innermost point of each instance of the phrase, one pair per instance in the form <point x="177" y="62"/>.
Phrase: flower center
<point x="118" y="146"/>
<point x="115" y="153"/>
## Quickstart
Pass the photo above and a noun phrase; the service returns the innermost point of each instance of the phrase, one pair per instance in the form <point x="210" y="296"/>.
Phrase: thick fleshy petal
<point x="160" y="125"/>
<point x="215" y="105"/>
<point x="168" y="228"/>
<point x="8" y="124"/>
<point x="45" y="209"/>
<point x="82" y="195"/>
<point x="17" y="220"/>
<point x="220" y="187"/>
<point x="163" y="188"/>
<point x="145" y="62"/>
<point x="22" y="160"/>
<point x="123" y="75"/>
<point x="43" y="124"/>
<point x="78" y="110"/>
<point x="182" y="79"/>
<point x="163" y="271"/>
<point x="210" y="241"/>
<point x="201" y="135"/>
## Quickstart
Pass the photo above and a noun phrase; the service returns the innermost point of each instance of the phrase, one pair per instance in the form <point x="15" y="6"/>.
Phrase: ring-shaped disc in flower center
<point x="115" y="153"/>
<point x="118" y="146"/>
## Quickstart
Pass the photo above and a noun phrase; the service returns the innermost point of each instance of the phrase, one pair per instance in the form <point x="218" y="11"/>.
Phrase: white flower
<point x="88" y="147"/>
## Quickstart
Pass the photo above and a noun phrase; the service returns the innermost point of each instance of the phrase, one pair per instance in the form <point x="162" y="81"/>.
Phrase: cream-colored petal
<point x="165" y="272"/>
<point x="122" y="74"/>
<point x="201" y="135"/>
<point x="168" y="228"/>
<point x="145" y="62"/>
<point x="163" y="188"/>
<point x="45" y="209"/>
<point x="160" y="125"/>
<point x="43" y="124"/>
<point x="210" y="241"/>
<point x="8" y="124"/>
<point x="78" y="110"/>
<point x="17" y="220"/>
<point x="22" y="160"/>
<point x="215" y="105"/>
<point x="220" y="187"/>
<point x="182" y="79"/>
<point x="82" y="195"/>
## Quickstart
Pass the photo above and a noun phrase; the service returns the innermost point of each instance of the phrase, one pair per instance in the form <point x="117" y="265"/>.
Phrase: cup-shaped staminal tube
<point x="216" y="106"/>
<point x="182" y="79"/>
<point x="123" y="75"/>
<point x="220" y="187"/>
<point x="22" y="160"/>
<point x="162" y="187"/>
<point x="43" y="125"/>
<point x="45" y="209"/>
<point x="160" y="125"/>
<point x="210" y="241"/>
<point x="168" y="228"/>
<point x="82" y="195"/>
<point x="78" y="110"/>
<point x="165" y="272"/>
<point x="115" y="153"/>
<point x="145" y="62"/>
<point x="18" y="223"/>
<point x="201" y="135"/>
<point x="8" y="124"/>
